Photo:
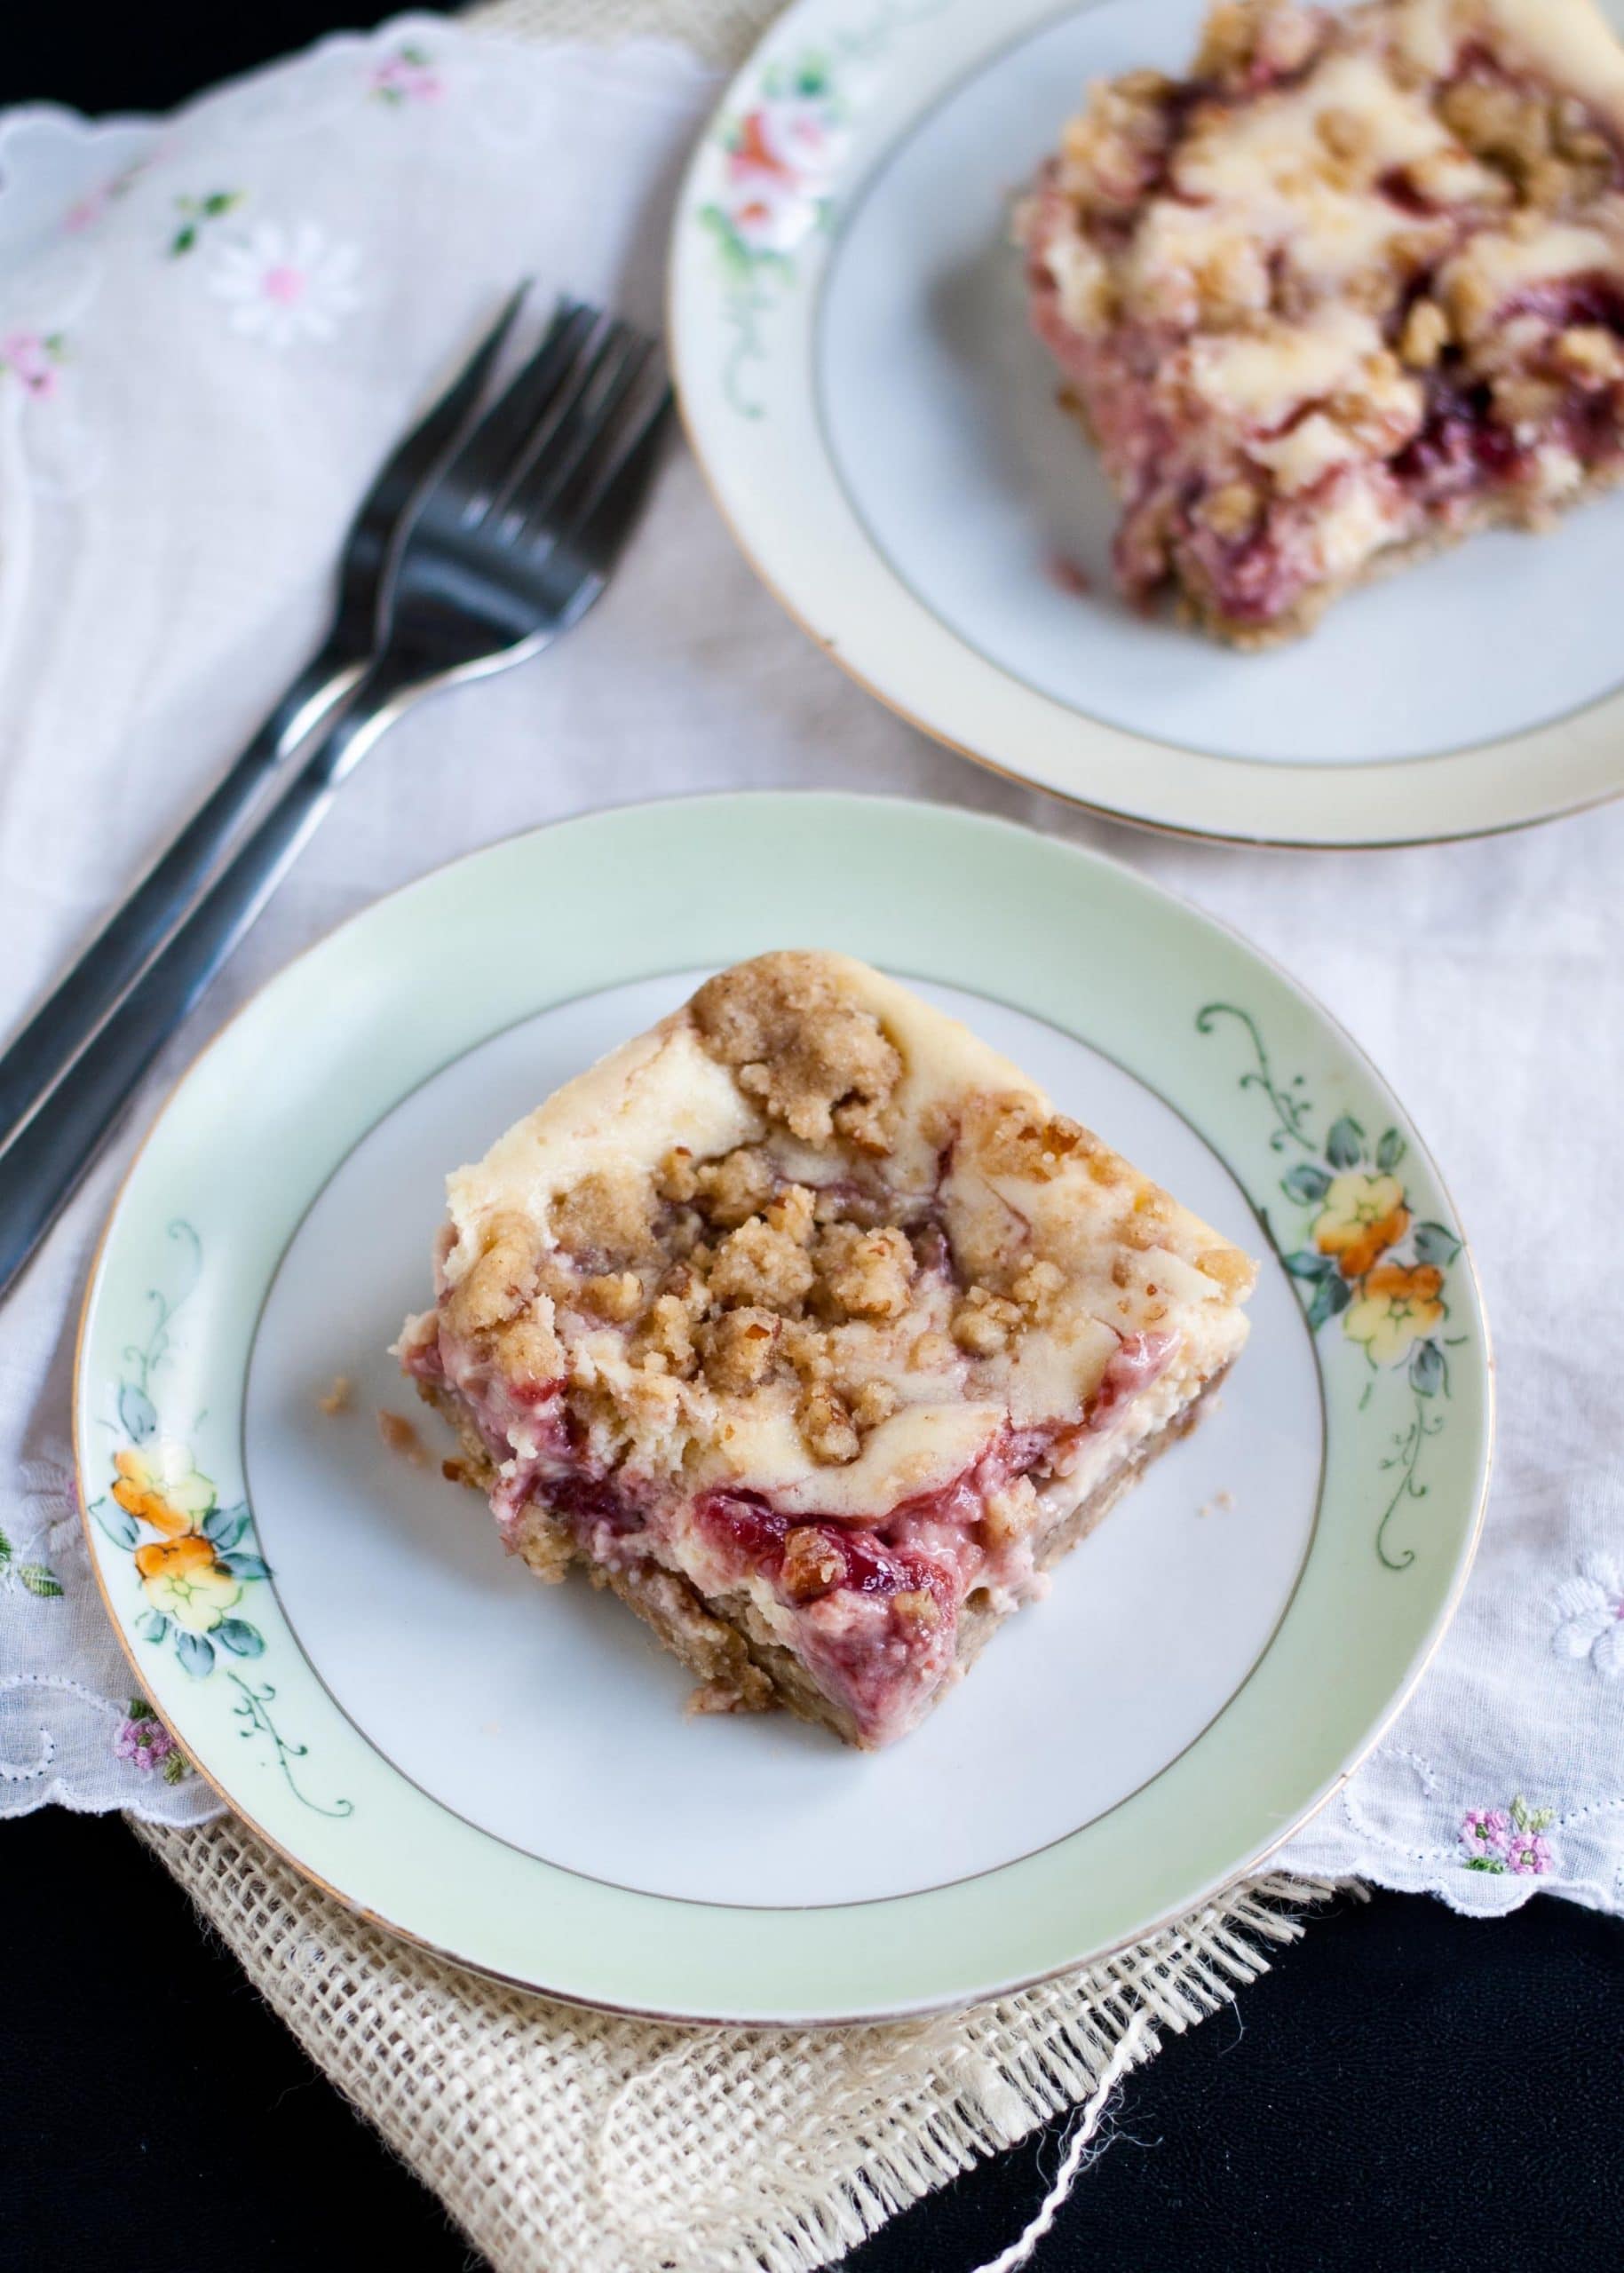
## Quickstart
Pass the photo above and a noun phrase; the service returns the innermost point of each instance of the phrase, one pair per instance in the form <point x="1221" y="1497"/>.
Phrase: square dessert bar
<point x="1352" y="290"/>
<point x="807" y="1325"/>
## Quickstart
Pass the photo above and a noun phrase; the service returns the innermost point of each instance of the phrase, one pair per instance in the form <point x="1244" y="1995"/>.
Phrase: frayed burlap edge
<point x="719" y="32"/>
<point x="572" y="2141"/>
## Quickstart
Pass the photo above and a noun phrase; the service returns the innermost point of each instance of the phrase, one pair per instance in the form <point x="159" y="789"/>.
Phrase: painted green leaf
<point x="1435" y="1244"/>
<point x="1330" y="1296"/>
<point x="222" y="1527"/>
<point x="1305" y="1263"/>
<point x="153" y="1627"/>
<point x="1390" y="1151"/>
<point x="118" y="1523"/>
<point x="136" y="1413"/>
<point x="246" y="1566"/>
<point x="1427" y="1370"/>
<point x="1306" y="1183"/>
<point x="1344" y="1147"/>
<point x="182" y="240"/>
<point x="40" y="1579"/>
<point x="196" y="1654"/>
<point x="242" y="1639"/>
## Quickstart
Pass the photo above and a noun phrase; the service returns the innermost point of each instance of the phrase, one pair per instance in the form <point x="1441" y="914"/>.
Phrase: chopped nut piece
<point x="826" y="1427"/>
<point x="870" y="1275"/>
<point x="739" y="1349"/>
<point x="813" y="1563"/>
<point x="874" y="1401"/>
<point x="984" y="1322"/>
<point x="757" y="1264"/>
<point x="1590" y="354"/>
<point x="616" y="1294"/>
<point x="1426" y="335"/>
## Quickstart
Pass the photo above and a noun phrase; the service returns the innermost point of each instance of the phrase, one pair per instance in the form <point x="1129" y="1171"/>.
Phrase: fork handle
<point x="43" y="1162"/>
<point x="71" y="1013"/>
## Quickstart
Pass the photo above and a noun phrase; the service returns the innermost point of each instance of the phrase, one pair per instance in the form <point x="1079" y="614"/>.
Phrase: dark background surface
<point x="1405" y="2089"/>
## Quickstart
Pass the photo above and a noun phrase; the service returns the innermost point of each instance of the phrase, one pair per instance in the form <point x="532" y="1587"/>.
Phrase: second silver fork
<point x="513" y="542"/>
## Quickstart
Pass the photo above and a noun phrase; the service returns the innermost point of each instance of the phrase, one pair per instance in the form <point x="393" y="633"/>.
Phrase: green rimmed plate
<point x="860" y="383"/>
<point x="502" y="1771"/>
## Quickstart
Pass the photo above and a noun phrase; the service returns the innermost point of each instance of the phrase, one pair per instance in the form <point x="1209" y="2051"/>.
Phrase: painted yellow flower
<point x="158" y="1485"/>
<point x="1400" y="1302"/>
<point x="181" y="1578"/>
<point x="1363" y="1216"/>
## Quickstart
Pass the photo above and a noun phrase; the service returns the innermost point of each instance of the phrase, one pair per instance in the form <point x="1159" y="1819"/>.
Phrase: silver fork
<point x="514" y="540"/>
<point x="65" y="1022"/>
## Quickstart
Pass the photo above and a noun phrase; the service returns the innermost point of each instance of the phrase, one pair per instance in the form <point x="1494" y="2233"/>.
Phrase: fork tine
<point x="573" y="514"/>
<point x="414" y="457"/>
<point x="614" y="497"/>
<point x="487" y="453"/>
<point x="550" y="490"/>
<point x="601" y="352"/>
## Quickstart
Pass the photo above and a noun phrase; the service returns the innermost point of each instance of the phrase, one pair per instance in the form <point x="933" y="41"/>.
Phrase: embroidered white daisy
<point x="286" y="284"/>
<point x="1590" y="1616"/>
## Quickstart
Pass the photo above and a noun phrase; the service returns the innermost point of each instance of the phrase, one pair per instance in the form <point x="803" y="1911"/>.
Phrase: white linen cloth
<point x="211" y="329"/>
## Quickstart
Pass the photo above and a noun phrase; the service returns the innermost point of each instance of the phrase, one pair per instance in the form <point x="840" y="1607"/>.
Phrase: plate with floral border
<point x="502" y="1771"/>
<point x="861" y="384"/>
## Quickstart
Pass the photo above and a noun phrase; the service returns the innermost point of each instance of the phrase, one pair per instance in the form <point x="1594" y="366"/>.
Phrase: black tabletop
<point x="1405" y="2089"/>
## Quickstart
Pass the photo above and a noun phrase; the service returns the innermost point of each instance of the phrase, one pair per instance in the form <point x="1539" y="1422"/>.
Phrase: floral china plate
<point x="857" y="375"/>
<point x="504" y="1771"/>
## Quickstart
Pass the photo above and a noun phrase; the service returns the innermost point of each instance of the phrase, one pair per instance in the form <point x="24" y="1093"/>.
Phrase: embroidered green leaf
<point x="1344" y="1147"/>
<point x="137" y="1412"/>
<point x="1390" y="1150"/>
<point x="140" y="1709"/>
<point x="242" y="1639"/>
<point x="1305" y="1263"/>
<point x="196" y="1654"/>
<point x="1332" y="1295"/>
<point x="40" y="1579"/>
<point x="182" y="240"/>
<point x="176" y="1768"/>
<point x="246" y="1566"/>
<point x="1306" y="1183"/>
<point x="5" y="1551"/>
<point x="221" y="201"/>
<point x="1435" y="1244"/>
<point x="1428" y="1372"/>
<point x="1490" y="1863"/>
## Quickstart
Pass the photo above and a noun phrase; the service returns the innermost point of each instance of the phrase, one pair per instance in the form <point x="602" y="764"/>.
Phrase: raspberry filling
<point x="873" y="1605"/>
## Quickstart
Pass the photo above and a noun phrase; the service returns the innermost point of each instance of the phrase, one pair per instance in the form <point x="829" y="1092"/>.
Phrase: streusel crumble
<point x="1352" y="289"/>
<point x="805" y="1323"/>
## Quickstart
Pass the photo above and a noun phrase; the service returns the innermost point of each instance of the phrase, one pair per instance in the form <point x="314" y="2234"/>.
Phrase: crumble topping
<point x="811" y="1300"/>
<point x="1355" y="283"/>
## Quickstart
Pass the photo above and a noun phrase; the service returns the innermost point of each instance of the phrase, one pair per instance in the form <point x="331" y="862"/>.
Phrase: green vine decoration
<point x="253" y="1711"/>
<point x="1292" y="1104"/>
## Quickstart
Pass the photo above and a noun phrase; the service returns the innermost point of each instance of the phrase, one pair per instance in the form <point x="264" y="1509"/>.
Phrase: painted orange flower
<point x="1398" y="1303"/>
<point x="158" y="1485"/>
<point x="1362" y="1217"/>
<point x="181" y="1578"/>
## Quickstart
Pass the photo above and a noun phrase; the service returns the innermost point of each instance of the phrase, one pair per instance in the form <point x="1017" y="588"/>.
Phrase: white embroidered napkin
<point x="209" y="330"/>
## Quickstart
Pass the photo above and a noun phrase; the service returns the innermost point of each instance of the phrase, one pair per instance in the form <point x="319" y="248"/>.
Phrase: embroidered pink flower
<point x="1590" y="1616"/>
<point x="407" y="76"/>
<point x="32" y="360"/>
<point x="144" y="1739"/>
<point x="286" y="284"/>
<point x="1484" y="1830"/>
<point x="1527" y="1855"/>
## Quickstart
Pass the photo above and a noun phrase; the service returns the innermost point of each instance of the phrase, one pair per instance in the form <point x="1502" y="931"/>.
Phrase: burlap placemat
<point x="569" y="2142"/>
